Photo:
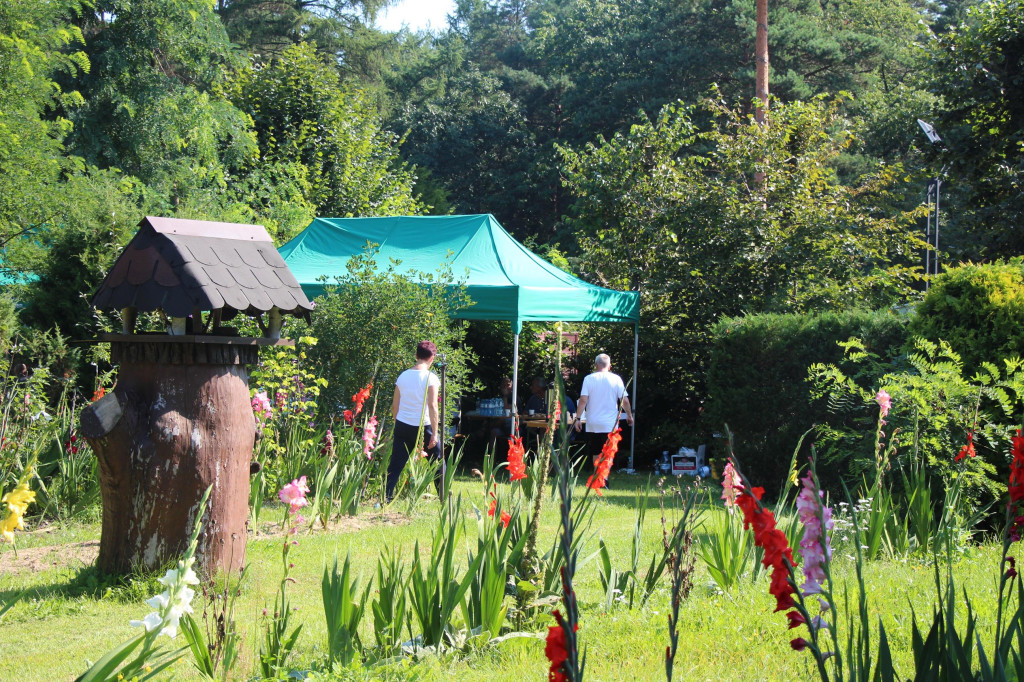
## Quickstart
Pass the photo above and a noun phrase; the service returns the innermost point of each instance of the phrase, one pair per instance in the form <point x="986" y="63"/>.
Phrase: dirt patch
<point x="35" y="559"/>
<point x="78" y="554"/>
<point x="345" y="524"/>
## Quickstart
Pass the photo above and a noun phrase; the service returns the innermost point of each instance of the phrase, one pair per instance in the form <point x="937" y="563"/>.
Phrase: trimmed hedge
<point x="757" y="379"/>
<point x="978" y="310"/>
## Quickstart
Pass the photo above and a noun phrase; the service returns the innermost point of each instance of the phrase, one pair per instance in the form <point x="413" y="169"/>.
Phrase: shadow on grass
<point x="89" y="582"/>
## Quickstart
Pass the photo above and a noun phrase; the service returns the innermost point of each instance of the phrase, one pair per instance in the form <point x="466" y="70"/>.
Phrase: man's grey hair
<point x="602" y="360"/>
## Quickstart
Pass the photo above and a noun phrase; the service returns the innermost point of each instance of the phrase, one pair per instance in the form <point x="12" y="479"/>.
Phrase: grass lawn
<point x="67" y="616"/>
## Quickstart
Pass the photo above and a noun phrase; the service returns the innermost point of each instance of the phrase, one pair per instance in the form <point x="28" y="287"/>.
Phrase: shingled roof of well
<point x="178" y="265"/>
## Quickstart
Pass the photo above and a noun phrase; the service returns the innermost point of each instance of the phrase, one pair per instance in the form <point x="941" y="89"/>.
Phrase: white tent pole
<point x="632" y="431"/>
<point x="515" y="373"/>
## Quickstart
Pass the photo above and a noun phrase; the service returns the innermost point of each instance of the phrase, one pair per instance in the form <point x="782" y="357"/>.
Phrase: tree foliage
<point x="302" y="116"/>
<point x="370" y="320"/>
<point x="730" y="217"/>
<point x="976" y="72"/>
<point x="152" y="107"/>
<point x="36" y="46"/>
<point x="978" y="310"/>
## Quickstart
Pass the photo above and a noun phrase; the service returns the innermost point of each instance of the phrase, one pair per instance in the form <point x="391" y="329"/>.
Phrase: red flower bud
<point x="796" y="619"/>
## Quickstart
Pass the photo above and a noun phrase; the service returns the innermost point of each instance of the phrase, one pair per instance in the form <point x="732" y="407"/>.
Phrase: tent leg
<point x="632" y="431"/>
<point x="515" y="374"/>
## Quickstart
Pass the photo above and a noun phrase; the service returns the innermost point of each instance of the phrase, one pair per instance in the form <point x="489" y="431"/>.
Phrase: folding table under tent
<point x="504" y="279"/>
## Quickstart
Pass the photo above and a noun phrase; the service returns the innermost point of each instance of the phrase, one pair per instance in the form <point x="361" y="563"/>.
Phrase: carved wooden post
<point x="178" y="422"/>
<point x="179" y="419"/>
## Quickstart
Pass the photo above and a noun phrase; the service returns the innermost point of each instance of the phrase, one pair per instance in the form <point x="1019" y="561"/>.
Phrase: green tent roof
<point x="505" y="280"/>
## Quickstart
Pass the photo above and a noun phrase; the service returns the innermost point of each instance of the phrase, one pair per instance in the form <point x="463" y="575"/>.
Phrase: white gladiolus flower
<point x="150" y="622"/>
<point x="172" y="603"/>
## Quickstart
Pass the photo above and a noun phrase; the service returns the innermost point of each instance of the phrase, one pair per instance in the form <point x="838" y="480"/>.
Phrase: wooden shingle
<point x="178" y="265"/>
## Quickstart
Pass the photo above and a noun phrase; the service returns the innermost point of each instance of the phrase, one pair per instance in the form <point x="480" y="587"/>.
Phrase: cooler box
<point x="688" y="462"/>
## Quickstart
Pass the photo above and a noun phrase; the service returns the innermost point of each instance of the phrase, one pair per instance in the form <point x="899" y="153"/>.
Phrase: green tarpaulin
<point x="505" y="280"/>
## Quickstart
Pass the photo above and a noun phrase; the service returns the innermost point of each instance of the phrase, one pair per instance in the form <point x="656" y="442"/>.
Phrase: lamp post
<point x="931" y="266"/>
<point x="442" y="366"/>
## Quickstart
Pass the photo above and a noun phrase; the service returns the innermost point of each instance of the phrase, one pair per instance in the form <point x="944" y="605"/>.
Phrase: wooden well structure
<point x="179" y="418"/>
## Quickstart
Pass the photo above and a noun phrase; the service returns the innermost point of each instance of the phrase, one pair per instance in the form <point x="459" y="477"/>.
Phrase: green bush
<point x="757" y="379"/>
<point x="978" y="310"/>
<point x="934" y="405"/>
<point x="369" y="322"/>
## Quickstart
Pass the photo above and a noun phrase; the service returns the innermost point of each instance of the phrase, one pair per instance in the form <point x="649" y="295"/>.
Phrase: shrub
<point x="369" y="322"/>
<point x="757" y="378"/>
<point x="935" y="404"/>
<point x="978" y="310"/>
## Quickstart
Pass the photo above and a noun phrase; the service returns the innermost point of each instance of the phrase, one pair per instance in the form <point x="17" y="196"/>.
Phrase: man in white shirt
<point x="602" y="400"/>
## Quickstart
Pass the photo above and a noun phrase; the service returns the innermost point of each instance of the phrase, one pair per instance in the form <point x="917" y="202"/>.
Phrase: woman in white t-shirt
<point x="414" y="406"/>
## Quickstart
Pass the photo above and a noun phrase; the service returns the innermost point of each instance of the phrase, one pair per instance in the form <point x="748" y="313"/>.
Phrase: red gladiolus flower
<point x="555" y="649"/>
<point x="778" y="556"/>
<point x="796" y="619"/>
<point x="1016" y="487"/>
<point x="505" y="519"/>
<point x="1015" y="528"/>
<point x="967" y="449"/>
<point x="100" y="392"/>
<point x="604" y="462"/>
<point x="1011" y="572"/>
<point x="516" y="466"/>
<point x="348" y="416"/>
<point x="361" y="396"/>
<point x="798" y="644"/>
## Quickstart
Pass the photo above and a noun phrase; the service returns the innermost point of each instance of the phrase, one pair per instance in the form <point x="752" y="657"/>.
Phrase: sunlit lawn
<point x="63" y="620"/>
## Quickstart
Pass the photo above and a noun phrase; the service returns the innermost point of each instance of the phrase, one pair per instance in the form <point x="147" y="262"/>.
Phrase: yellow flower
<point x="20" y="498"/>
<point x="17" y="502"/>
<point x="8" y="526"/>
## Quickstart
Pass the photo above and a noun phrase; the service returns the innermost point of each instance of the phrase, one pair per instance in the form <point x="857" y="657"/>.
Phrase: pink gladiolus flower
<point x="814" y="547"/>
<point x="261" y="406"/>
<point x="731" y="485"/>
<point x="294" y="494"/>
<point x="884" y="401"/>
<point x="369" y="436"/>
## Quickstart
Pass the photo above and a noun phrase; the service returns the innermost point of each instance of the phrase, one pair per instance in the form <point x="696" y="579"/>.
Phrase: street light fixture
<point x="934" y="188"/>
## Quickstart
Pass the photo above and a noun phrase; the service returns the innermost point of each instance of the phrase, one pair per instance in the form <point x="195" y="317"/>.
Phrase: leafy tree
<point x="474" y="139"/>
<point x="625" y="55"/>
<point x="680" y="213"/>
<point x="36" y="44"/>
<point x="95" y="213"/>
<point x="976" y="72"/>
<point x="269" y="27"/>
<point x="329" y="140"/>
<point x="341" y="30"/>
<point x="513" y="78"/>
<point x="368" y="325"/>
<point x="152" y="105"/>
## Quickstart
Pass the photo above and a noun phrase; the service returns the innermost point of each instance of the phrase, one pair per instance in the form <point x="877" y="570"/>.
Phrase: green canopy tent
<point x="504" y="279"/>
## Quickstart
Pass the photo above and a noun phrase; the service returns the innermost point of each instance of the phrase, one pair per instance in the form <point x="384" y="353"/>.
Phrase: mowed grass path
<point x="51" y="633"/>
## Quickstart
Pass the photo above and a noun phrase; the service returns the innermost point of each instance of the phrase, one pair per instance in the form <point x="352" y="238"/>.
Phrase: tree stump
<point x="178" y="421"/>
